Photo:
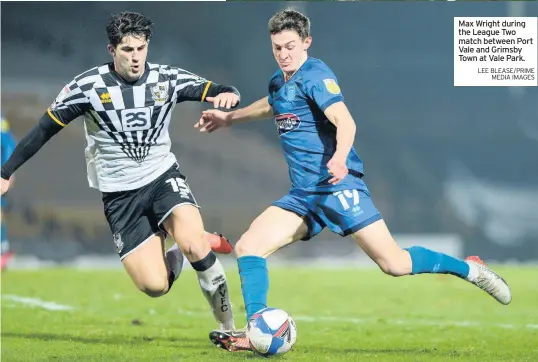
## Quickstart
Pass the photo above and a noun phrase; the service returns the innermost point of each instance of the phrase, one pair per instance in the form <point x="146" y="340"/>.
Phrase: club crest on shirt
<point x="159" y="92"/>
<point x="118" y="242"/>
<point x="286" y="122"/>
<point x="331" y="86"/>
<point x="290" y="92"/>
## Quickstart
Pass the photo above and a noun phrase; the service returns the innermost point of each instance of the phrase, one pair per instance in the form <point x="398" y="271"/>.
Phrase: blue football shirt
<point x="307" y="137"/>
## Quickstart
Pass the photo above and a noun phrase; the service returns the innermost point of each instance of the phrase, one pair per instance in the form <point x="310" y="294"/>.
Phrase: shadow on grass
<point x="112" y="339"/>
<point x="334" y="351"/>
<point x="206" y="347"/>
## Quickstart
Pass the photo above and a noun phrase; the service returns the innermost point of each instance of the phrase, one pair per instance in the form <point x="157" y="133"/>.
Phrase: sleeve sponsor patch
<point x="331" y="86"/>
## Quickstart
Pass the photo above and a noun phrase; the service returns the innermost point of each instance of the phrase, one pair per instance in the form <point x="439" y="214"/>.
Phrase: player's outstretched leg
<point x="272" y="230"/>
<point x="150" y="272"/>
<point x="185" y="224"/>
<point x="376" y="240"/>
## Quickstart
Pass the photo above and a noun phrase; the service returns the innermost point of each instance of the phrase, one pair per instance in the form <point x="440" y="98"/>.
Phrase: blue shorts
<point x="343" y="212"/>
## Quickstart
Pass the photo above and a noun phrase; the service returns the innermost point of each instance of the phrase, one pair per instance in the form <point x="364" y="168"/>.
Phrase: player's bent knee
<point x="243" y="249"/>
<point x="193" y="244"/>
<point x="396" y="265"/>
<point x="252" y="244"/>
<point x="390" y="269"/>
<point x="248" y="244"/>
<point x="154" y="288"/>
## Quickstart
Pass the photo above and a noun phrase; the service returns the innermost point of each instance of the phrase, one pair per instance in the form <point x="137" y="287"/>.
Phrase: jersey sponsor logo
<point x="287" y="122"/>
<point x="331" y="86"/>
<point x="105" y="98"/>
<point x="136" y="119"/>
<point x="159" y="92"/>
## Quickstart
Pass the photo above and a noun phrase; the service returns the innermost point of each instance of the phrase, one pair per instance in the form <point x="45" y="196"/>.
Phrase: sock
<point x="212" y="280"/>
<point x="5" y="243"/>
<point x="254" y="283"/>
<point x="429" y="261"/>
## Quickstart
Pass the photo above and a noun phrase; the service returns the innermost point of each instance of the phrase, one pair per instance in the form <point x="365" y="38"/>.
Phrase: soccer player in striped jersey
<point x="328" y="190"/>
<point x="126" y="107"/>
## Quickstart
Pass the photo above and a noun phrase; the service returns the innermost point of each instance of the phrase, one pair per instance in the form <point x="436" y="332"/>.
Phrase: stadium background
<point x="454" y="168"/>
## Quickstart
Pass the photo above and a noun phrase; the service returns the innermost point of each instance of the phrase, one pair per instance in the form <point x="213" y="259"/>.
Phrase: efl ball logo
<point x="286" y="122"/>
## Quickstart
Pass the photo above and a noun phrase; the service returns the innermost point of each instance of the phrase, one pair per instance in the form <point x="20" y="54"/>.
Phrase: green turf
<point x="351" y="315"/>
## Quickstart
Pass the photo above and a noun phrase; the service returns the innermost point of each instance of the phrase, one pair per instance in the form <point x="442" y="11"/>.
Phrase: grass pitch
<point x="341" y="315"/>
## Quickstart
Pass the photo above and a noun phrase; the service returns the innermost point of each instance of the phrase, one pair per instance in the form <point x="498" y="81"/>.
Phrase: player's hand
<point x="213" y="119"/>
<point x="5" y="185"/>
<point x="224" y="100"/>
<point x="337" y="168"/>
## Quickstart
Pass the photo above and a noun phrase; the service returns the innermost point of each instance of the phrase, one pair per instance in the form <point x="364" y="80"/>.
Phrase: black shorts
<point x="135" y="216"/>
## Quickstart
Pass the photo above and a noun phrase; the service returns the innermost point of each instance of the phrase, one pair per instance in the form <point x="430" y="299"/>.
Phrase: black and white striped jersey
<point x="126" y="124"/>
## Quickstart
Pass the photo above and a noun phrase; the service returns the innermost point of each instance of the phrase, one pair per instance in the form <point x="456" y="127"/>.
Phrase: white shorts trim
<point x="172" y="209"/>
<point x="142" y="243"/>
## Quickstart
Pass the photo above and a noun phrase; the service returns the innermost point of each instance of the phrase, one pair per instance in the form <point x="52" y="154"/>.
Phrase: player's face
<point x="289" y="50"/>
<point x="130" y="57"/>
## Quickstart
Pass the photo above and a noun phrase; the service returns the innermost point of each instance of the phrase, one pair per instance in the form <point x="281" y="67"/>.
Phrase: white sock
<point x="215" y="289"/>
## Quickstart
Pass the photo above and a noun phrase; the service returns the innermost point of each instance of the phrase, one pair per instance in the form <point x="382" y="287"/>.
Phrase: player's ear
<point x="111" y="49"/>
<point x="307" y="42"/>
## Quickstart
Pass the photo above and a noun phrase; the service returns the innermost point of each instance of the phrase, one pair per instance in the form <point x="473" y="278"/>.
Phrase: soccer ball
<point x="271" y="331"/>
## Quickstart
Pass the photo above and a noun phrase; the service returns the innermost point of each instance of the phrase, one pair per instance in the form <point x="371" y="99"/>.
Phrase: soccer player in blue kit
<point x="7" y="143"/>
<point x="317" y="133"/>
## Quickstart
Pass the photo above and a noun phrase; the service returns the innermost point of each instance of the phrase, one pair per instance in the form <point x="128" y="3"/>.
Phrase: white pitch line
<point x="36" y="302"/>
<point x="401" y="322"/>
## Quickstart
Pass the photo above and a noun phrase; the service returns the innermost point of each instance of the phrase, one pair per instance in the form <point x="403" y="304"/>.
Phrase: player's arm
<point x="70" y="104"/>
<point x="191" y="87"/>
<point x="30" y="144"/>
<point x="325" y="91"/>
<point x="213" y="119"/>
<point x="339" y="115"/>
<point x="261" y="109"/>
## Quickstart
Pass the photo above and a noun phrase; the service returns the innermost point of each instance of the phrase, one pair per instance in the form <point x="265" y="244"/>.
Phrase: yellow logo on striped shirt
<point x="105" y="98"/>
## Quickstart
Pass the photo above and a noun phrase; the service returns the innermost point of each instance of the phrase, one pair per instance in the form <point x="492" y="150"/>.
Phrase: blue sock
<point x="429" y="261"/>
<point x="5" y="243"/>
<point x="254" y="283"/>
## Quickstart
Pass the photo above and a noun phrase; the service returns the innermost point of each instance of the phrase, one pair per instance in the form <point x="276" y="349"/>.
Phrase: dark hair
<point x="290" y="19"/>
<point x="128" y="23"/>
